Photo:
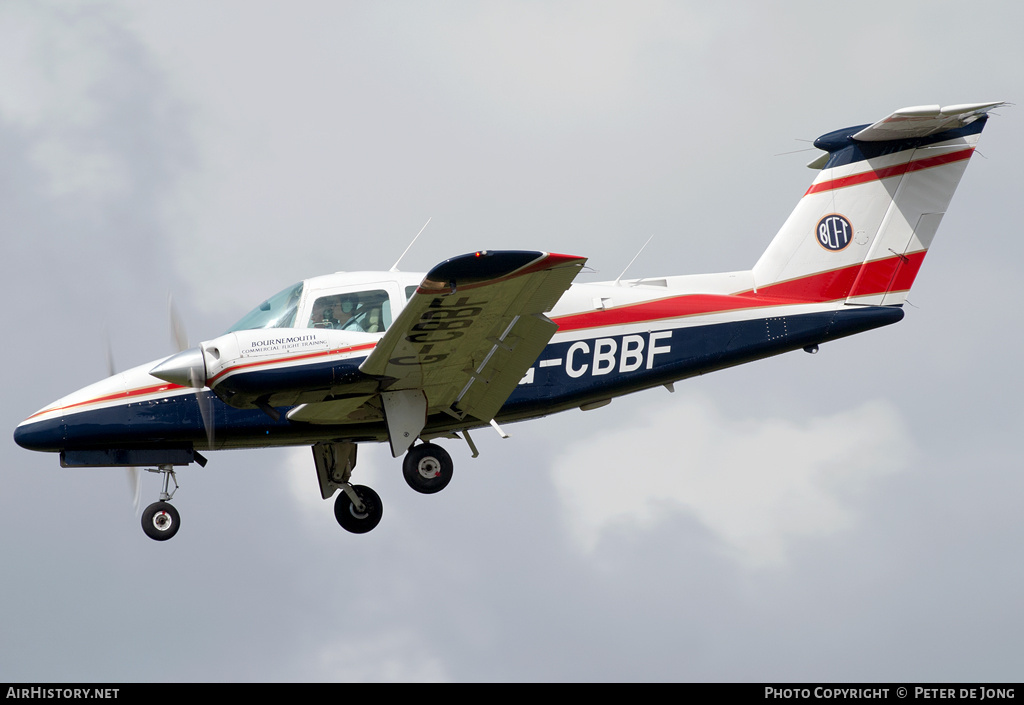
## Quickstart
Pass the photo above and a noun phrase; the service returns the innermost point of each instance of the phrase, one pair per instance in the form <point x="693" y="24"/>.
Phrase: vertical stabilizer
<point x="860" y="232"/>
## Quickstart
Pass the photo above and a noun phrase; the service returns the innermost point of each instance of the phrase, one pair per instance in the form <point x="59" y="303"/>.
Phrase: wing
<point x="465" y="339"/>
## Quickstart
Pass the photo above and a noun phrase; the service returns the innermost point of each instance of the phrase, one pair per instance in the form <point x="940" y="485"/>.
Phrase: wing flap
<point x="500" y="372"/>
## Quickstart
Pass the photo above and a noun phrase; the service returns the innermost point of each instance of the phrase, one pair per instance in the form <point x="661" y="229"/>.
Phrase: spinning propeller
<point x="134" y="484"/>
<point x="187" y="368"/>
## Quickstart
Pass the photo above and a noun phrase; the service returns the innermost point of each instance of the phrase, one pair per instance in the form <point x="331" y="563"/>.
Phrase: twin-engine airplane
<point x="499" y="336"/>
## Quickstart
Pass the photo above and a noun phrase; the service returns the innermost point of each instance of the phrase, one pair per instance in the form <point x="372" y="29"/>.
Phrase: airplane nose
<point x="45" y="435"/>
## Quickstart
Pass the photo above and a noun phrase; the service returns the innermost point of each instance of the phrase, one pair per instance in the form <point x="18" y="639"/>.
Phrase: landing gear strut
<point x="161" y="521"/>
<point x="357" y="508"/>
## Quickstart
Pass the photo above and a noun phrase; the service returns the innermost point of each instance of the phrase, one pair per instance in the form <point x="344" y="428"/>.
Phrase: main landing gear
<point x="427" y="468"/>
<point x="358" y="509"/>
<point x="160" y="520"/>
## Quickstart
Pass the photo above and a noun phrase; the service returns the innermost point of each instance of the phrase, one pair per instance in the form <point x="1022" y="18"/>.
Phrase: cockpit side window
<point x="276" y="312"/>
<point x="360" y="311"/>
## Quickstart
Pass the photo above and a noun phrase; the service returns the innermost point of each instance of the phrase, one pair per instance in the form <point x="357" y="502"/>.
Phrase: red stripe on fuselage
<point x="671" y="307"/>
<point x="876" y="277"/>
<point x="891" y="171"/>
<point x="141" y="391"/>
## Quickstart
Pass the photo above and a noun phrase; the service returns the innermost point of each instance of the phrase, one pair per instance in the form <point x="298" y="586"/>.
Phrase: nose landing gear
<point x="160" y="520"/>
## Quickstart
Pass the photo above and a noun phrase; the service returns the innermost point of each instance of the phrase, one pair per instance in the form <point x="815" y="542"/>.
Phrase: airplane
<point x="499" y="336"/>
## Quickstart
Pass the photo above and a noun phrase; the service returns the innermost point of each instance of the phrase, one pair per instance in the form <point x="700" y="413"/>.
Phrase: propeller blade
<point x="135" y="487"/>
<point x="205" y="402"/>
<point x="192" y="373"/>
<point x="134" y="483"/>
<point x="111" y="367"/>
<point x="178" y="333"/>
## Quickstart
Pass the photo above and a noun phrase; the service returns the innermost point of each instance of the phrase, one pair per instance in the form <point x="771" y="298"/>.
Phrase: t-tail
<point x="861" y="231"/>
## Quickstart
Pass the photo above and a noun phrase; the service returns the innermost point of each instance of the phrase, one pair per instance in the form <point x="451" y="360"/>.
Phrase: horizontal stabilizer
<point x="922" y="121"/>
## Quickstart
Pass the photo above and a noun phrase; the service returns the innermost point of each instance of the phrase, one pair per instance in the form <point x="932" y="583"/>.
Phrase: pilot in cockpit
<point x="332" y="312"/>
<point x="360" y="312"/>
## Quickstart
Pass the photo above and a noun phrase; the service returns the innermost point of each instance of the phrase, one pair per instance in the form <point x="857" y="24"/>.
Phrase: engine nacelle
<point x="272" y="366"/>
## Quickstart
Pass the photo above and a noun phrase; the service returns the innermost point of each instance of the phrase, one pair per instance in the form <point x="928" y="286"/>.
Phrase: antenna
<point x="394" y="267"/>
<point x="633" y="260"/>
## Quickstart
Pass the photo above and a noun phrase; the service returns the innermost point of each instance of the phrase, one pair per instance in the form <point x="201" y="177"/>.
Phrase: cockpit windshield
<point x="276" y="312"/>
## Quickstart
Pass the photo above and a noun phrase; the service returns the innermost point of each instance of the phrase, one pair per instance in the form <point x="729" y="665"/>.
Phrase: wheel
<point x="358" y="522"/>
<point x="160" y="521"/>
<point x="427" y="468"/>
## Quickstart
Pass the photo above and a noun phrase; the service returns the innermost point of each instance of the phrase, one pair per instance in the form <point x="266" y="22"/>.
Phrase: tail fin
<point x="862" y="229"/>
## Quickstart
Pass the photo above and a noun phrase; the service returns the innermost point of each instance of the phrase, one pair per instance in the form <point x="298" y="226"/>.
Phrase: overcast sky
<point x="854" y="515"/>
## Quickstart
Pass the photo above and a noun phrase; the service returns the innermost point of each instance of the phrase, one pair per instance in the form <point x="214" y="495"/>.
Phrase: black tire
<point x="160" y="521"/>
<point x="358" y="522"/>
<point x="427" y="468"/>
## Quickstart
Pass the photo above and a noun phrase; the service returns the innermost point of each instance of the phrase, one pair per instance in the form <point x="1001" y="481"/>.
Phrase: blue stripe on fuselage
<point x="605" y="366"/>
